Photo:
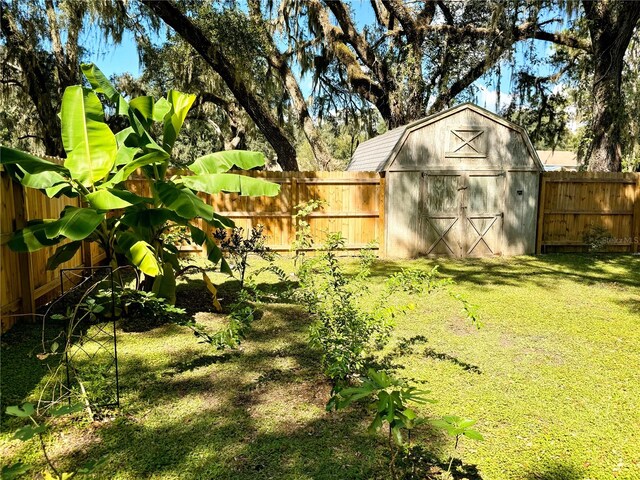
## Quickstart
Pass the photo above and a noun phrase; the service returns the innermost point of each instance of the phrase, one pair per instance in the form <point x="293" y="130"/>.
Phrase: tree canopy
<point x="305" y="80"/>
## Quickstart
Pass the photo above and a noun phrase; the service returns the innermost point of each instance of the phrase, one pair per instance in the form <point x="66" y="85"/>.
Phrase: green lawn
<point x="553" y="378"/>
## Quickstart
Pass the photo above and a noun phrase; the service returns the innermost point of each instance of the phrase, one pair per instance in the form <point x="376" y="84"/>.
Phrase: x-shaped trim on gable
<point x="441" y="235"/>
<point x="467" y="141"/>
<point x="481" y="235"/>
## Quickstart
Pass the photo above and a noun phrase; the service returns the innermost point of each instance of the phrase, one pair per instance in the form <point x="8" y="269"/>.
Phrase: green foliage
<point x="456" y="426"/>
<point x="388" y="398"/>
<point x="234" y="244"/>
<point x="344" y="332"/>
<point x="97" y="166"/>
<point x="597" y="237"/>
<point x="38" y="427"/>
<point x="351" y="327"/>
<point x="303" y="238"/>
<point x="142" y="311"/>
<point x="347" y="329"/>
<point x="238" y="323"/>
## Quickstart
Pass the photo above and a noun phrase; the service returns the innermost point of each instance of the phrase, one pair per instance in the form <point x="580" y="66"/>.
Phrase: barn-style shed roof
<point x="376" y="154"/>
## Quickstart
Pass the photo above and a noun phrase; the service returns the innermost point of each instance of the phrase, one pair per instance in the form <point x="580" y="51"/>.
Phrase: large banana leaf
<point x="143" y="108"/>
<point x="220" y="221"/>
<point x="231" y="182"/>
<point x="113" y="199"/>
<point x="152" y="158"/>
<point x="74" y="224"/>
<point x="150" y="218"/>
<point x="32" y="237"/>
<point x="140" y="253"/>
<point x="63" y="254"/>
<point x="160" y="109"/>
<point x="51" y="182"/>
<point x="214" y="254"/>
<point x="220" y="162"/>
<point x="125" y="154"/>
<point x="101" y="84"/>
<point x="90" y="145"/>
<point x="180" y="103"/>
<point x="122" y="138"/>
<point x="65" y="189"/>
<point x="164" y="286"/>
<point x="183" y="201"/>
<point x="43" y="180"/>
<point x="29" y="163"/>
<point x="149" y="111"/>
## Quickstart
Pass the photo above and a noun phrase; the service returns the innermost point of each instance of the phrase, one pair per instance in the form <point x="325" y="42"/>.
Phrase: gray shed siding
<point x="462" y="183"/>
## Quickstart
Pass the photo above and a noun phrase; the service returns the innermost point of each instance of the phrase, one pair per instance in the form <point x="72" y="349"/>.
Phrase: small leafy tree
<point x="388" y="399"/>
<point x="238" y="248"/>
<point x="126" y="224"/>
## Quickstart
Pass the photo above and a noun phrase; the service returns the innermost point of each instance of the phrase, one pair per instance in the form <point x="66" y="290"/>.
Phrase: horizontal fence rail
<point x="583" y="211"/>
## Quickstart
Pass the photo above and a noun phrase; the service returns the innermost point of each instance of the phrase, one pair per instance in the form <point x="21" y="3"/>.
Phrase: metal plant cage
<point x="91" y="357"/>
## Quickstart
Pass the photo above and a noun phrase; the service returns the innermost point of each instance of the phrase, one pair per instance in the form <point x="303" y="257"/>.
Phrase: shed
<point x="463" y="182"/>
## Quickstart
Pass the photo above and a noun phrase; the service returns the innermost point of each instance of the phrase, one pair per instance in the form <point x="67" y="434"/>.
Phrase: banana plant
<point x="99" y="162"/>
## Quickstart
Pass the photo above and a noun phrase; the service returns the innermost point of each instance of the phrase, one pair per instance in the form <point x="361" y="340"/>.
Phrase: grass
<point x="552" y="377"/>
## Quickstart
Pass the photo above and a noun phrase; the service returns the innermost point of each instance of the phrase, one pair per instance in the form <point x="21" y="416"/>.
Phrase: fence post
<point x="381" y="218"/>
<point x="541" y="202"/>
<point x="635" y="233"/>
<point x="294" y="202"/>
<point x="24" y="259"/>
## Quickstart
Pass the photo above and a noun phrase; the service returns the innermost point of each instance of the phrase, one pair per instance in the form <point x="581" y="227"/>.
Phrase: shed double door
<point x="461" y="213"/>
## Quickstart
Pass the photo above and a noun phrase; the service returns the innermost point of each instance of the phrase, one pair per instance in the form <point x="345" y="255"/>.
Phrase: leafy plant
<point x="346" y="329"/>
<point x="303" y="238"/>
<point x="457" y="427"/>
<point x="343" y="331"/>
<point x="38" y="427"/>
<point x="597" y="238"/>
<point x="141" y="311"/>
<point x="388" y="398"/>
<point x="236" y="246"/>
<point x="96" y="169"/>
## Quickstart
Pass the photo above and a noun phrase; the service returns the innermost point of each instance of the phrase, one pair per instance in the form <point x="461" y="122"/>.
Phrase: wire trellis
<point x="91" y="352"/>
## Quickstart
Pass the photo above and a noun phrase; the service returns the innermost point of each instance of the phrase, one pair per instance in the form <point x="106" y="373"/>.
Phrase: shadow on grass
<point x="633" y="304"/>
<point x="583" y="268"/>
<point x="555" y="471"/>
<point x="431" y="353"/>
<point x="257" y="414"/>
<point x="194" y="297"/>
<point x="20" y="370"/>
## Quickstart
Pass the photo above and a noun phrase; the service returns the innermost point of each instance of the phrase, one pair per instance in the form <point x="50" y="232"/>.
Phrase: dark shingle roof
<point x="372" y="155"/>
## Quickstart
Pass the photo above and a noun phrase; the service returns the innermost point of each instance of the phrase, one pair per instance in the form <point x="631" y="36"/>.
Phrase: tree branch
<point x="227" y="70"/>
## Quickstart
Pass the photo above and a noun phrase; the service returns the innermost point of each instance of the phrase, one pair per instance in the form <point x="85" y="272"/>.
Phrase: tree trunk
<point x="275" y="58"/>
<point x="252" y="104"/>
<point x="611" y="26"/>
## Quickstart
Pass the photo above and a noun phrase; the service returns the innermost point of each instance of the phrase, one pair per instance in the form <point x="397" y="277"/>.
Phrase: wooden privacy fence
<point x="354" y="206"/>
<point x="25" y="283"/>
<point x="579" y="209"/>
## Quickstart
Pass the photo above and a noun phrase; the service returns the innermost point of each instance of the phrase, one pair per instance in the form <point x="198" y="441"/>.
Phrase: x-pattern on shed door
<point x="461" y="213"/>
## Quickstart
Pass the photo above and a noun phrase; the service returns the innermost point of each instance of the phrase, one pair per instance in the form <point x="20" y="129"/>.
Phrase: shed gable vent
<point x="466" y="142"/>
